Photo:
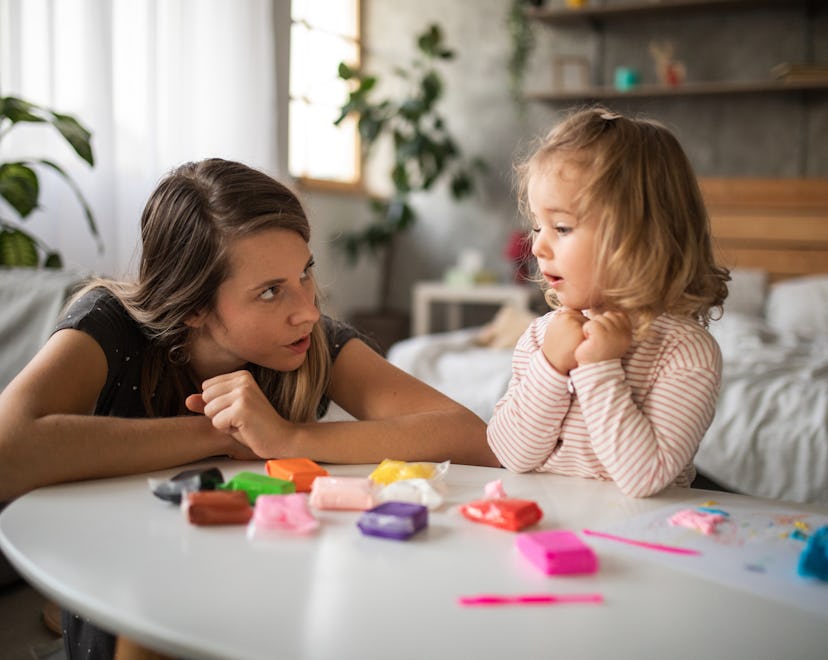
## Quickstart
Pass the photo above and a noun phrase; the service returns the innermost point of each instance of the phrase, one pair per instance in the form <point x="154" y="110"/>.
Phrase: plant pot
<point x="382" y="329"/>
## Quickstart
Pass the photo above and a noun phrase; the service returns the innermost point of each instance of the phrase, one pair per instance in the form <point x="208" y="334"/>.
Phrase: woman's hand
<point x="564" y="334"/>
<point x="607" y="336"/>
<point x="236" y="405"/>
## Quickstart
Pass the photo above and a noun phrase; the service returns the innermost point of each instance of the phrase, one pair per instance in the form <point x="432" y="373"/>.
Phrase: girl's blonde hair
<point x="186" y="228"/>
<point x="654" y="252"/>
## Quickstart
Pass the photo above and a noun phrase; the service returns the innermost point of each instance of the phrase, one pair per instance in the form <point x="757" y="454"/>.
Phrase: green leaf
<point x="18" y="110"/>
<point x="19" y="187"/>
<point x="76" y="135"/>
<point x="345" y="72"/>
<point x="432" y="87"/>
<point x="17" y="249"/>
<point x="53" y="260"/>
<point x="90" y="220"/>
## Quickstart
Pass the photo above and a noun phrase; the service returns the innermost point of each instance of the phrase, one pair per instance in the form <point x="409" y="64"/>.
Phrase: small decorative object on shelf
<point x="787" y="71"/>
<point x="626" y="78"/>
<point x="670" y="71"/>
<point x="570" y="74"/>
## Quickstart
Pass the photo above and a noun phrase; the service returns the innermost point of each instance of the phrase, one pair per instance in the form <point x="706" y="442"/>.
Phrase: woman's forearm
<point x="58" y="448"/>
<point x="455" y="435"/>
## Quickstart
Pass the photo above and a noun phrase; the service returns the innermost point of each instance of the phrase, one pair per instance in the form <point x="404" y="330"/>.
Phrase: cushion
<point x="746" y="291"/>
<point x="504" y="330"/>
<point x="799" y="306"/>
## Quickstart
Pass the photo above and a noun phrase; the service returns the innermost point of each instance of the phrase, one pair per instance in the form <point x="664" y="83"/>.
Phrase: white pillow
<point x="799" y="306"/>
<point x="746" y="291"/>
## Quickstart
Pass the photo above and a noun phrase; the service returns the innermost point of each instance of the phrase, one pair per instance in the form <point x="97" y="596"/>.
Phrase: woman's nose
<point x="305" y="309"/>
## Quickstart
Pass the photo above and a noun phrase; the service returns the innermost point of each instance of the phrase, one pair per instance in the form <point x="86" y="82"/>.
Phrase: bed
<point x="769" y="437"/>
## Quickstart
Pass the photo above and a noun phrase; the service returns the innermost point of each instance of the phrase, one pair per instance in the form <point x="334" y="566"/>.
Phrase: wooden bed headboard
<point x="777" y="225"/>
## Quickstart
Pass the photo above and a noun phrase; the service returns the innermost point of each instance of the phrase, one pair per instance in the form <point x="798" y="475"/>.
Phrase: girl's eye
<point x="536" y="229"/>
<point x="562" y="230"/>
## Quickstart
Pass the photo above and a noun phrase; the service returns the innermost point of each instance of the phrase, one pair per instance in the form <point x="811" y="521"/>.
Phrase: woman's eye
<point x="306" y="274"/>
<point x="269" y="293"/>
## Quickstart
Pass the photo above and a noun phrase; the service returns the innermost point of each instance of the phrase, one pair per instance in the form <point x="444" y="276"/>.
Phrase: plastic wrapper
<point x="188" y="481"/>
<point x="390" y="470"/>
<point x="277" y="515"/>
<point x="347" y="493"/>
<point x="417" y="491"/>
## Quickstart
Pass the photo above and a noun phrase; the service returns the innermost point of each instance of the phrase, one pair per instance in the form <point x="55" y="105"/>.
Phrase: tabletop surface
<point x="110" y="550"/>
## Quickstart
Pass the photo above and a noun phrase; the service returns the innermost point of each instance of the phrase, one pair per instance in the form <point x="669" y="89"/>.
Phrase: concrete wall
<point x="770" y="135"/>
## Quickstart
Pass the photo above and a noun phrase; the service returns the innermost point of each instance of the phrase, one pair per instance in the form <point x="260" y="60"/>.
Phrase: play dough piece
<point x="390" y="470"/>
<point x="348" y="493"/>
<point x="258" y="484"/>
<point x="557" y="552"/>
<point x="813" y="561"/>
<point x="187" y="481"/>
<point x="506" y="513"/>
<point x="394" y="520"/>
<point x="301" y="471"/>
<point x="274" y="514"/>
<point x="217" y="507"/>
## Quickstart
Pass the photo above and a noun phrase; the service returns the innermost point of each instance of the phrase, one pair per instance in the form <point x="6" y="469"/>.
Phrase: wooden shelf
<point x="638" y="9"/>
<point x="687" y="89"/>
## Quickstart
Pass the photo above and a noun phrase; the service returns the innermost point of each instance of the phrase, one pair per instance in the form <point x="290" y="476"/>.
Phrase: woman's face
<point x="265" y="310"/>
<point x="564" y="243"/>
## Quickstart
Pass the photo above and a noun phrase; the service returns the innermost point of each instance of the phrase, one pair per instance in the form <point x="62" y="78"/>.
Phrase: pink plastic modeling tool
<point x="642" y="544"/>
<point x="495" y="600"/>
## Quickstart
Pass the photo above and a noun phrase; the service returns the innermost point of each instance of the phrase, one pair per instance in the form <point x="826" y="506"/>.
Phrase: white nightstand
<point x="457" y="295"/>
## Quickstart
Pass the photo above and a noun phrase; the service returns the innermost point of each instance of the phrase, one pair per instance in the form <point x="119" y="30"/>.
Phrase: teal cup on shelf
<point x="626" y="78"/>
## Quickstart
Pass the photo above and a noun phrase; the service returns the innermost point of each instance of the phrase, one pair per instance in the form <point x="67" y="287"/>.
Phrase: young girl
<point x="218" y="348"/>
<point x="620" y="381"/>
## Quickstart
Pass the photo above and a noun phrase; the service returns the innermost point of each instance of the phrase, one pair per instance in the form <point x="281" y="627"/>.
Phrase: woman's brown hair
<point x="186" y="227"/>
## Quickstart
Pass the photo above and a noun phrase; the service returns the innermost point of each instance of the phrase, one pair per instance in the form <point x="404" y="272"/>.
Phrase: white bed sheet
<point x="769" y="437"/>
<point x="452" y="363"/>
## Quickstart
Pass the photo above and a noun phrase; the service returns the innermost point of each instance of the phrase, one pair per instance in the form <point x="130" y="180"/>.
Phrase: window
<point x="323" y="34"/>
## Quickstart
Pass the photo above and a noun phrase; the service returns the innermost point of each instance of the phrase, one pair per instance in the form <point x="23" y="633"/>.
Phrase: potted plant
<point x="20" y="186"/>
<point x="424" y="154"/>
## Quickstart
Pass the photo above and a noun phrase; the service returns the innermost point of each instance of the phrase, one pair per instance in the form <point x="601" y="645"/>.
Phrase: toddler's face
<point x="564" y="242"/>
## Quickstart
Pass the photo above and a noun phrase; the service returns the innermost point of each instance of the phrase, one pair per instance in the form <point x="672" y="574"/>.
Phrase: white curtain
<point x="158" y="83"/>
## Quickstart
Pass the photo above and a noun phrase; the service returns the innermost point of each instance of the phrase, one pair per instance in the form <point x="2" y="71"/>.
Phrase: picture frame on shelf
<point x="570" y="74"/>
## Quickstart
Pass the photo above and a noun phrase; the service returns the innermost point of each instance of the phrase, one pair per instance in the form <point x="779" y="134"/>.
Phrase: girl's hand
<point x="236" y="405"/>
<point x="607" y="336"/>
<point x="563" y="335"/>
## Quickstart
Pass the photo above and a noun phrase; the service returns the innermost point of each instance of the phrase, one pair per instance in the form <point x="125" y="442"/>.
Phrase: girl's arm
<point x="49" y="435"/>
<point x="526" y="423"/>
<point x="398" y="417"/>
<point x="645" y="445"/>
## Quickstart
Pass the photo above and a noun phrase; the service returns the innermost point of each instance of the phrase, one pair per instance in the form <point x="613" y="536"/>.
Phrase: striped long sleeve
<point x="637" y="421"/>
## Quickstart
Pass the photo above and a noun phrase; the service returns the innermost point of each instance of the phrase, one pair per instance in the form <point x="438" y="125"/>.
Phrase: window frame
<point x="357" y="186"/>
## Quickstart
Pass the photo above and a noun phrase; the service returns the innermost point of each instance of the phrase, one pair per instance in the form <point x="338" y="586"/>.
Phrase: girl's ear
<point x="196" y="320"/>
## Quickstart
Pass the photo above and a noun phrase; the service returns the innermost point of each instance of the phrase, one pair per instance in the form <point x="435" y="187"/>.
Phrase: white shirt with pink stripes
<point x="637" y="420"/>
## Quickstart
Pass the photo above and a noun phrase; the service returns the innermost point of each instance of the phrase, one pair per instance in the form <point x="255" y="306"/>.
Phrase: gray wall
<point x="769" y="135"/>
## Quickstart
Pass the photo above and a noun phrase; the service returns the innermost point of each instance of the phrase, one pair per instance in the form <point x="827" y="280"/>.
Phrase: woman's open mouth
<point x="300" y="345"/>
